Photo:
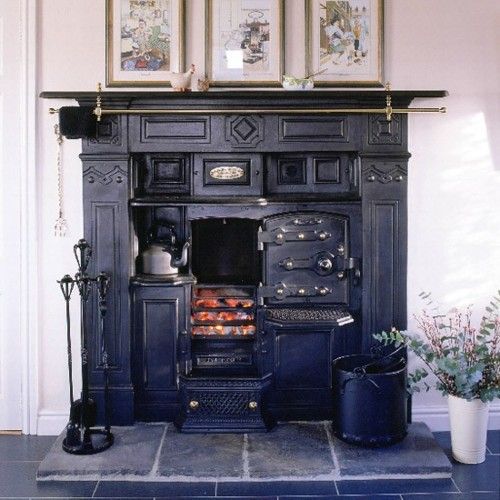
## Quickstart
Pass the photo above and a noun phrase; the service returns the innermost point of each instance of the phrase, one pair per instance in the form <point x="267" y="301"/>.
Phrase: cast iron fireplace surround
<point x="298" y="231"/>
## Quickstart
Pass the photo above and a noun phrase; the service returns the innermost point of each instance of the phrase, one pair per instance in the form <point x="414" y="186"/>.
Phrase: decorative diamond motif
<point x="93" y="174"/>
<point x="385" y="175"/>
<point x="244" y="131"/>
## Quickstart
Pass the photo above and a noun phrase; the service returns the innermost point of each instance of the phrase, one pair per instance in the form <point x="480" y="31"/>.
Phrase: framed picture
<point x="144" y="41"/>
<point x="344" y="42"/>
<point x="244" y="45"/>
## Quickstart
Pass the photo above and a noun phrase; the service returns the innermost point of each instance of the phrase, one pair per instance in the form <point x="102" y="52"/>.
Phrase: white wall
<point x="454" y="181"/>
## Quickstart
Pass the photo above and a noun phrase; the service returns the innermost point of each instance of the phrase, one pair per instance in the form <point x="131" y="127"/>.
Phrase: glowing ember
<point x="223" y="302"/>
<point x="222" y="312"/>
<point x="212" y="316"/>
<point x="226" y="331"/>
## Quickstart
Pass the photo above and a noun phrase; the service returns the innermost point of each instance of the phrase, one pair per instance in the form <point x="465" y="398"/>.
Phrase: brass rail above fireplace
<point x="388" y="110"/>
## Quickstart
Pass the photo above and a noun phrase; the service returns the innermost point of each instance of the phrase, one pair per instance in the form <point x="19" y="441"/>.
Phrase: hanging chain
<point x="61" y="225"/>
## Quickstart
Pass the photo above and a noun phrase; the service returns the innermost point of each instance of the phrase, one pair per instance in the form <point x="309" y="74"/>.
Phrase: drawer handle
<point x="252" y="405"/>
<point x="194" y="405"/>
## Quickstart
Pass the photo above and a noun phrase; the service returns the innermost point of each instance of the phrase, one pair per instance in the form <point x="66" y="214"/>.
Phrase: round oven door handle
<point x="325" y="263"/>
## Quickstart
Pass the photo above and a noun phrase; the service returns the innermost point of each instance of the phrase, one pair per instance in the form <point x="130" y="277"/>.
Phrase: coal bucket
<point x="370" y="399"/>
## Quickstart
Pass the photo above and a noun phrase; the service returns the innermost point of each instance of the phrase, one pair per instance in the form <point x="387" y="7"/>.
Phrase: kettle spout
<point x="182" y="261"/>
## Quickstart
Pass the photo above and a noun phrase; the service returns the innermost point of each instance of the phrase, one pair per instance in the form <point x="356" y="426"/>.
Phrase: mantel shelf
<point x="153" y="201"/>
<point x="238" y="94"/>
<point x="318" y="98"/>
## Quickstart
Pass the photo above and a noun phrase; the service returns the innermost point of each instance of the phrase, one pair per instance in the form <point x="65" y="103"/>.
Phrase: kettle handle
<point x="149" y="237"/>
<point x="154" y="228"/>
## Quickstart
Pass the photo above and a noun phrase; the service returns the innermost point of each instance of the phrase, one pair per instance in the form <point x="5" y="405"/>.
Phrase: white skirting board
<point x="51" y="423"/>
<point x="436" y="417"/>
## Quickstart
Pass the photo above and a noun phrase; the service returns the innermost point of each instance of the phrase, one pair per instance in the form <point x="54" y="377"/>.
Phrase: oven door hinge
<point x="184" y="353"/>
<point x="348" y="264"/>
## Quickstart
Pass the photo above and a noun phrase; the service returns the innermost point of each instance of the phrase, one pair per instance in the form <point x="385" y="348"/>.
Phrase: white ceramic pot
<point x="468" y="425"/>
<point x="292" y="83"/>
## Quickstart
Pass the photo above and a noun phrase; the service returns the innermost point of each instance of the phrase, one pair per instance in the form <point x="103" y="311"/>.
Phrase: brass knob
<point x="341" y="249"/>
<point x="194" y="405"/>
<point x="398" y="178"/>
<point x="252" y="405"/>
<point x="341" y="275"/>
<point x="280" y="291"/>
<point x="302" y="291"/>
<point x="371" y="178"/>
<point x="322" y="236"/>
<point x="323" y="290"/>
<point x="289" y="264"/>
<point x="280" y="236"/>
<point x="301" y="236"/>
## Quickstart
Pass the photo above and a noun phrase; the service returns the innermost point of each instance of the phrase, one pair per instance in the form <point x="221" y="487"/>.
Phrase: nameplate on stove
<point x="227" y="172"/>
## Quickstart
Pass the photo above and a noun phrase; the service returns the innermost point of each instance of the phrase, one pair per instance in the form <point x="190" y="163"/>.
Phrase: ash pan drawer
<point x="313" y="173"/>
<point x="227" y="175"/>
<point x="223" y="405"/>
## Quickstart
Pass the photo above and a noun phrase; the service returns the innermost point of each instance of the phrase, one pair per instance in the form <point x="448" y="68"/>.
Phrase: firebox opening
<point x="225" y="251"/>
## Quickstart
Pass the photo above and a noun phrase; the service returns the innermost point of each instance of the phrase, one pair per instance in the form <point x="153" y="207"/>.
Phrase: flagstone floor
<point x="20" y="458"/>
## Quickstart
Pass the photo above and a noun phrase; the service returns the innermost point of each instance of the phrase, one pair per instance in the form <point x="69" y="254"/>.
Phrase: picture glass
<point x="245" y="41"/>
<point x="345" y="41"/>
<point x="144" y="41"/>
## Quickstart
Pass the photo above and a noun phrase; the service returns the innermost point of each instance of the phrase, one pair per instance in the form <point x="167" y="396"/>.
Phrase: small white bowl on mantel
<point x="292" y="83"/>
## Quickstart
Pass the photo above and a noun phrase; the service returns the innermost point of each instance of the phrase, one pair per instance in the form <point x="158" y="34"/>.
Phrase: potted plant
<point x="466" y="363"/>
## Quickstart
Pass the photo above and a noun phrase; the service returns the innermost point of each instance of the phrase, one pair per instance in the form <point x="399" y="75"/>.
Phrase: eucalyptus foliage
<point x="465" y="359"/>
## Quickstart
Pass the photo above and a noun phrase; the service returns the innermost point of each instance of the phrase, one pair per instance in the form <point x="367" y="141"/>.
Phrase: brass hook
<point x="388" y="102"/>
<point x="98" y="101"/>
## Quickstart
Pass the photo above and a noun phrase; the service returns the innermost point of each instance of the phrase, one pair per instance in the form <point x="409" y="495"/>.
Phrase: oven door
<point x="306" y="258"/>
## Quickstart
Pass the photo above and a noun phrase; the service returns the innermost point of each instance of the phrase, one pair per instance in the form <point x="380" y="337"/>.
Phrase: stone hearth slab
<point x="418" y="454"/>
<point x="201" y="455"/>
<point x="132" y="454"/>
<point x="296" y="449"/>
<point x="301" y="452"/>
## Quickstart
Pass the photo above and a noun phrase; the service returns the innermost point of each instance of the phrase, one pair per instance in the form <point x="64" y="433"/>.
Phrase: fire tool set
<point x="82" y="438"/>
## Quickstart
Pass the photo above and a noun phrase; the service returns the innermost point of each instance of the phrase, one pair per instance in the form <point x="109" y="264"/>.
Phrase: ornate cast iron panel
<point x="306" y="258"/>
<point x="224" y="405"/>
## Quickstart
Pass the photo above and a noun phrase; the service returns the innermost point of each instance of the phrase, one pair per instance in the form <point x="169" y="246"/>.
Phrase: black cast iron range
<point x="297" y="229"/>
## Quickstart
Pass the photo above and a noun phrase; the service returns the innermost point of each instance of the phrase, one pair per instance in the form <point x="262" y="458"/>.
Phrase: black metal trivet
<point x="82" y="437"/>
<point x="289" y="314"/>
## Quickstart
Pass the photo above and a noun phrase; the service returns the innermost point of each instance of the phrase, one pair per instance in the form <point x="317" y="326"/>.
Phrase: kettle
<point x="159" y="258"/>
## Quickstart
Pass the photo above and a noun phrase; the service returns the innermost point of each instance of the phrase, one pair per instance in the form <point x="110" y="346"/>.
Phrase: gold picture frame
<point x="144" y="44"/>
<point x="345" y="42"/>
<point x="267" y="53"/>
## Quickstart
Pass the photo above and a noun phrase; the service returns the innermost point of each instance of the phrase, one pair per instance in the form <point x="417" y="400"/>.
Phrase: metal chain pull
<point x="61" y="224"/>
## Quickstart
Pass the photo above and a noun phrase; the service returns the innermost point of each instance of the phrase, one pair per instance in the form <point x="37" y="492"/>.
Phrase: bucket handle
<point x="390" y="355"/>
<point x="359" y="374"/>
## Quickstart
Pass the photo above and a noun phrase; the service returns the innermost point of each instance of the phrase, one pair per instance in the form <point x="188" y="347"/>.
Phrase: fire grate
<point x="223" y="311"/>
